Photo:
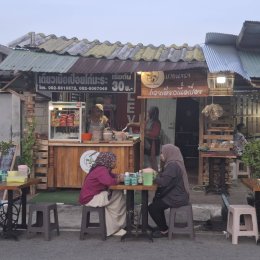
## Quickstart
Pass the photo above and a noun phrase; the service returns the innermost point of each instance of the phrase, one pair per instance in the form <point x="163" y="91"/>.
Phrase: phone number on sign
<point x="73" y="88"/>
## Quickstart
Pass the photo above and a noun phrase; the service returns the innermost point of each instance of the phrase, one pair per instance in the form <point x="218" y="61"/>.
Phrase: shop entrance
<point x="167" y="116"/>
<point x="187" y="134"/>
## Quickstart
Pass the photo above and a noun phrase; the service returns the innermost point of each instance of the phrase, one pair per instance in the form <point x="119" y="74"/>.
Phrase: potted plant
<point x="251" y="157"/>
<point x="4" y="147"/>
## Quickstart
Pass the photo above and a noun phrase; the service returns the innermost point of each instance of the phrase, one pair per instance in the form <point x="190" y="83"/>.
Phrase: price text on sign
<point x="108" y="83"/>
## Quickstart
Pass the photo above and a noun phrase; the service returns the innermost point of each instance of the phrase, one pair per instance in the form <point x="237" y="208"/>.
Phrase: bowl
<point x="86" y="136"/>
<point x="107" y="136"/>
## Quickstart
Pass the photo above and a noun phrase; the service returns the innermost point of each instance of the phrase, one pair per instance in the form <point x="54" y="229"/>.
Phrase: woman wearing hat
<point x="97" y="120"/>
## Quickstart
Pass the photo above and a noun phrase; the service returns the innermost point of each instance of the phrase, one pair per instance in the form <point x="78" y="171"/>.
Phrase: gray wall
<point x="10" y="118"/>
<point x="41" y="117"/>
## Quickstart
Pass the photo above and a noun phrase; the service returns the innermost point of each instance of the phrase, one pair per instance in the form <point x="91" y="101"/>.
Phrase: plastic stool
<point x="43" y="222"/>
<point x="242" y="169"/>
<point x="234" y="227"/>
<point x="174" y="228"/>
<point x="91" y="227"/>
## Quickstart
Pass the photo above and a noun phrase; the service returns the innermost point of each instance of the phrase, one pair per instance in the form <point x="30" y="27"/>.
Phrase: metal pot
<point x="107" y="136"/>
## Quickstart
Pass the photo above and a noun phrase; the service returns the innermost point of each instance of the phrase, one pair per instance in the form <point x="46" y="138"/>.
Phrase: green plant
<point x="4" y="147"/>
<point x="251" y="157"/>
<point x="28" y="142"/>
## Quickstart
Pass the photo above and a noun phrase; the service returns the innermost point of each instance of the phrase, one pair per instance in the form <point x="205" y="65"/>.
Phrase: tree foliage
<point x="251" y="157"/>
<point x="28" y="143"/>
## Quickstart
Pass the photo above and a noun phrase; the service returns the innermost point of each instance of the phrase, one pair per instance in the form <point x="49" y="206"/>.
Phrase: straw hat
<point x="100" y="107"/>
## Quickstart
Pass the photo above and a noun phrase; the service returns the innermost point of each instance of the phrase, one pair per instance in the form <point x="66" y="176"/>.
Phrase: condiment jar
<point x="127" y="178"/>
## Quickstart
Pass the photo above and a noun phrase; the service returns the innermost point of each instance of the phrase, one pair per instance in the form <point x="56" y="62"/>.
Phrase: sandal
<point x="159" y="234"/>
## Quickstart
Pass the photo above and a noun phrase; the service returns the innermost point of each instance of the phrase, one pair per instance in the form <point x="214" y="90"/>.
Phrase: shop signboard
<point x="96" y="82"/>
<point x="175" y="84"/>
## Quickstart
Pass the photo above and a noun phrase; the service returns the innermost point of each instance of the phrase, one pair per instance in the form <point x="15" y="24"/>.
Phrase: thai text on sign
<point x="174" y="84"/>
<point x="108" y="83"/>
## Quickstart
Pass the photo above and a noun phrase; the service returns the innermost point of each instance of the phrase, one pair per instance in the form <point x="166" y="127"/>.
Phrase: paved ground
<point x="207" y="244"/>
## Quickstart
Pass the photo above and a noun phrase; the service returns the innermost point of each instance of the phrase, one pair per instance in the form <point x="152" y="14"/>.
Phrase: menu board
<point x="7" y="159"/>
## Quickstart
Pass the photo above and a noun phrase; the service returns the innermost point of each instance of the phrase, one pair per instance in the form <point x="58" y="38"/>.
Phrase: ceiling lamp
<point x="221" y="84"/>
<point x="221" y="79"/>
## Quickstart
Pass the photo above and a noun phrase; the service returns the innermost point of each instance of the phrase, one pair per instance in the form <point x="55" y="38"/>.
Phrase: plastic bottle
<point x="127" y="178"/>
<point x="4" y="175"/>
<point x="134" y="179"/>
<point x="140" y="177"/>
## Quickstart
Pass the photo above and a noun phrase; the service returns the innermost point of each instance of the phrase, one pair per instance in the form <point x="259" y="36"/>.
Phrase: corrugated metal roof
<point x="251" y="63"/>
<point x="107" y="50"/>
<point x="5" y="50"/>
<point x="23" y="60"/>
<point x="221" y="58"/>
<point x="90" y="65"/>
<point x="249" y="36"/>
<point x="220" y="38"/>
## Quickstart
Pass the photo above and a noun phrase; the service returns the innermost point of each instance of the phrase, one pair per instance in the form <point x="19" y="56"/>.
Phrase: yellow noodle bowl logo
<point x="153" y="79"/>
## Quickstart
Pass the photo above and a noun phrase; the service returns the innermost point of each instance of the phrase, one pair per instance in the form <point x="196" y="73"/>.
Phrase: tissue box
<point x="16" y="179"/>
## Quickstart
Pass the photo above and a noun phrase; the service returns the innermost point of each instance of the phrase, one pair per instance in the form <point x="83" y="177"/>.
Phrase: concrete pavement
<point x="207" y="244"/>
<point x="67" y="246"/>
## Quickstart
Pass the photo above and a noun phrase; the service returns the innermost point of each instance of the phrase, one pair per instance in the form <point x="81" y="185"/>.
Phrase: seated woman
<point x="95" y="192"/>
<point x="173" y="188"/>
<point x="239" y="140"/>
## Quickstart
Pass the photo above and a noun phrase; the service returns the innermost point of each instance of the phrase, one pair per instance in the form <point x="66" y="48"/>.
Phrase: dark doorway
<point x="187" y="133"/>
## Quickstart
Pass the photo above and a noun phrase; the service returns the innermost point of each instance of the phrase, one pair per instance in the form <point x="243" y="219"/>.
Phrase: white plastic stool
<point x="234" y="227"/>
<point x="242" y="169"/>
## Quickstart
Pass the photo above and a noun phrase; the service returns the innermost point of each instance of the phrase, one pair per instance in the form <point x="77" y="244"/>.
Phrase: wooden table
<point x="221" y="187"/>
<point x="130" y="189"/>
<point x="11" y="187"/>
<point x="254" y="186"/>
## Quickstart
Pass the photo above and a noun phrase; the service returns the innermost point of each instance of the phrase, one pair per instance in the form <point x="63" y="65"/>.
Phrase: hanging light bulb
<point x="221" y="79"/>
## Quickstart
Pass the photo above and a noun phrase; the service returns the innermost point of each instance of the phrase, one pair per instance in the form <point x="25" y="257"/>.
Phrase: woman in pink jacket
<point x="95" y="192"/>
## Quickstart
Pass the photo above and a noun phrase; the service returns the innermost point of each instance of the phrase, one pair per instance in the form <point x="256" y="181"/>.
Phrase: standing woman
<point x="173" y="186"/>
<point x="95" y="192"/>
<point x="152" y="137"/>
<point x="97" y="120"/>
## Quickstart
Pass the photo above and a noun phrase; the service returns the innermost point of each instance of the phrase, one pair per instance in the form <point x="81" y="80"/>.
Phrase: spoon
<point x="124" y="129"/>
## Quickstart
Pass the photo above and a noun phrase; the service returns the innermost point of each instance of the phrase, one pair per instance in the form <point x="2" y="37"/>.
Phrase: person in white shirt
<point x="239" y="140"/>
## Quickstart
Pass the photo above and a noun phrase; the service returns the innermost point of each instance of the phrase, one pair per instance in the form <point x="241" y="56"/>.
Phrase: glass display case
<point x="66" y="121"/>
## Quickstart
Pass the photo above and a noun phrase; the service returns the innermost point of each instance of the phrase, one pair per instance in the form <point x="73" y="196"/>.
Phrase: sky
<point x="136" y="21"/>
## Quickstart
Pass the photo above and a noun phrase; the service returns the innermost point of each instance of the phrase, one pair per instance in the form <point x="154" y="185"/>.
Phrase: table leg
<point x="145" y="214"/>
<point x="9" y="232"/>
<point x="10" y="210"/>
<point x="144" y="210"/>
<point x="129" y="212"/>
<point x="24" y="203"/>
<point x="130" y="216"/>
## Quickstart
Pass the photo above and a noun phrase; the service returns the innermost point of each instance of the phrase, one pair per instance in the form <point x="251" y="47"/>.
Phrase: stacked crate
<point x="213" y="139"/>
<point x="41" y="163"/>
<point x="216" y="135"/>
